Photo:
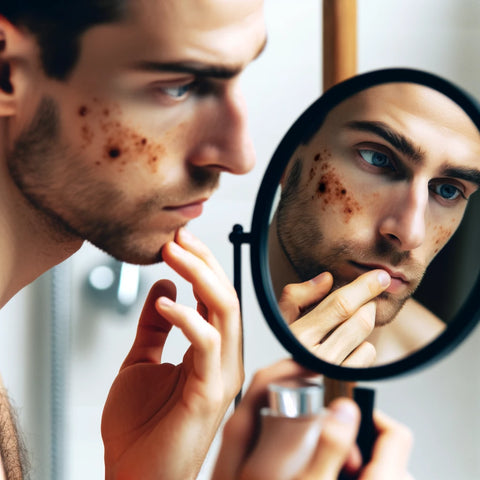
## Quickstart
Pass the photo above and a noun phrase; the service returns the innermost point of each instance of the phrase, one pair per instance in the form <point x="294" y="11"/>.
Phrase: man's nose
<point x="225" y="143"/>
<point x="404" y="223"/>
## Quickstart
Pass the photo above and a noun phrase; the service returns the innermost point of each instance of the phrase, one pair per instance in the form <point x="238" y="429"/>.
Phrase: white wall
<point x="440" y="404"/>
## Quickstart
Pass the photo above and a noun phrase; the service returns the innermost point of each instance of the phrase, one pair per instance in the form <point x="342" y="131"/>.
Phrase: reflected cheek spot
<point x="332" y="193"/>
<point x="114" y="152"/>
<point x="441" y="236"/>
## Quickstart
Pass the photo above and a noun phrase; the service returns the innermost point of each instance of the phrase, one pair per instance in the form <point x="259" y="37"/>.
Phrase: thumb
<point x="153" y="328"/>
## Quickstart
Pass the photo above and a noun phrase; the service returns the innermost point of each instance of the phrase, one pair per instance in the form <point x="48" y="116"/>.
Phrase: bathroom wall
<point x="440" y="404"/>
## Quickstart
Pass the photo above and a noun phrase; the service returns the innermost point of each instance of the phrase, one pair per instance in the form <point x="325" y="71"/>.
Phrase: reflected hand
<point x="159" y="419"/>
<point x="334" y="452"/>
<point x="334" y="327"/>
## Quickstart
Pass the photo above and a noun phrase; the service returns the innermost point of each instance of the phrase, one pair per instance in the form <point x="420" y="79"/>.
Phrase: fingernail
<point x="344" y="412"/>
<point x="165" y="302"/>
<point x="319" y="278"/>
<point x="383" y="278"/>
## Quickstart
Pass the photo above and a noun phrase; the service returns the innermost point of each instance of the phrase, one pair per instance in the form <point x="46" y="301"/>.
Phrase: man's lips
<point x="398" y="279"/>
<point x="189" y="210"/>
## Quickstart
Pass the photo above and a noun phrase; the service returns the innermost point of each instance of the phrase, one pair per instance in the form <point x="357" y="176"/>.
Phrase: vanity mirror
<point x="377" y="176"/>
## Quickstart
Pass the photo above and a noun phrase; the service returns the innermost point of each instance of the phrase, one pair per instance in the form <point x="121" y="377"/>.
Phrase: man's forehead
<point x="412" y="99"/>
<point x="234" y="29"/>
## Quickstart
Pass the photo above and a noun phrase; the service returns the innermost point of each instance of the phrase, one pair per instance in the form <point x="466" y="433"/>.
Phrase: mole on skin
<point x="330" y="189"/>
<point x="121" y="140"/>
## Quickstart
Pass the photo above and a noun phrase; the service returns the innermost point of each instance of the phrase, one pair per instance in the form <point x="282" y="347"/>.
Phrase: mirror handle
<point x="365" y="399"/>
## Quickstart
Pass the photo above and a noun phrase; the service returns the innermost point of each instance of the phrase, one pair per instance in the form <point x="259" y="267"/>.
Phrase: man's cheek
<point x="103" y="130"/>
<point x="327" y="188"/>
<point x="441" y="234"/>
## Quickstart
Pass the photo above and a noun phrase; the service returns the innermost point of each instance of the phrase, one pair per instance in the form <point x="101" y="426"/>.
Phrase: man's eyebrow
<point x="198" y="69"/>
<point x="397" y="140"/>
<point x="471" y="175"/>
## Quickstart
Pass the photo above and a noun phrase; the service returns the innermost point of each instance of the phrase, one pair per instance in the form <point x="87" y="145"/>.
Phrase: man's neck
<point x="28" y="245"/>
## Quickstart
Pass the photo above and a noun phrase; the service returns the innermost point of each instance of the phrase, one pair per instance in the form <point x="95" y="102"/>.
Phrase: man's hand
<point x="335" y="450"/>
<point x="335" y="327"/>
<point x="159" y="419"/>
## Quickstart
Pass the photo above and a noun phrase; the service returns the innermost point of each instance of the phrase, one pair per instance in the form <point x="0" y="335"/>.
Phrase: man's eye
<point x="447" y="191"/>
<point x="177" y="92"/>
<point x="377" y="159"/>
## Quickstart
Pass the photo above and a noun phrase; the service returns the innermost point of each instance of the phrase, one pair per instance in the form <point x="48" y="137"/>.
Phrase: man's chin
<point x="388" y="308"/>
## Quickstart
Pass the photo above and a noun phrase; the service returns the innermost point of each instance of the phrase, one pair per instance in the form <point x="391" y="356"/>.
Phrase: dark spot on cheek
<point x="114" y="152"/>
<point x="333" y="194"/>
<point x="317" y="157"/>
<point x="153" y="161"/>
<point x="122" y="145"/>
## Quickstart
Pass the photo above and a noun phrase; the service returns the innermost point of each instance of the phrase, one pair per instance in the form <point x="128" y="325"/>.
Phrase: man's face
<point x="128" y="149"/>
<point x="383" y="184"/>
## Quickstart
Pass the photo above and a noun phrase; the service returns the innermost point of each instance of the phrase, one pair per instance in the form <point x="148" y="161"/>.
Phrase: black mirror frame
<point x="465" y="319"/>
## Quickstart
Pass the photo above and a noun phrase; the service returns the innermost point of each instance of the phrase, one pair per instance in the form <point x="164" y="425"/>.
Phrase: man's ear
<point x="17" y="51"/>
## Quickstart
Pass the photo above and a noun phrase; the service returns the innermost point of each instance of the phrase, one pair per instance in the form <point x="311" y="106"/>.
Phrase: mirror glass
<point x="378" y="176"/>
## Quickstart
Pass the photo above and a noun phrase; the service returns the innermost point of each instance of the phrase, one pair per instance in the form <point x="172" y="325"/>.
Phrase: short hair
<point x="58" y="24"/>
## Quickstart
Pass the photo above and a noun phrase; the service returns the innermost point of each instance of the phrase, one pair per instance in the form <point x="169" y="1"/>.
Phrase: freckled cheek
<point x="330" y="191"/>
<point x="110" y="142"/>
<point x="441" y="234"/>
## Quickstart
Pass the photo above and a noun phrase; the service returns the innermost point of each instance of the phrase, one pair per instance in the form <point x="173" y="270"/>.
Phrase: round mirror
<point x="365" y="232"/>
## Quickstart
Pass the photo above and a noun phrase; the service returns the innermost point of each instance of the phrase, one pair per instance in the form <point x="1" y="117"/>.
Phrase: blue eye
<point x="177" y="92"/>
<point x="446" y="191"/>
<point x="377" y="159"/>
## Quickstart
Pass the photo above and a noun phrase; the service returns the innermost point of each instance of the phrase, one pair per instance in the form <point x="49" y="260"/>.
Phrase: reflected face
<point x="129" y="148"/>
<point x="383" y="184"/>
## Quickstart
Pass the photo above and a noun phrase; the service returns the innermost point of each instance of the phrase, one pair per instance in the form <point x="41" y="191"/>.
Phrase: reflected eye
<point x="447" y="191"/>
<point x="377" y="159"/>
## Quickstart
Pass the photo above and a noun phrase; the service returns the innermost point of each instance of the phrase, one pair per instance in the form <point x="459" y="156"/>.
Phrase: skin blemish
<point x="442" y="235"/>
<point x="331" y="191"/>
<point x="87" y="134"/>
<point x="153" y="163"/>
<point x="114" y="152"/>
<point x="122" y="144"/>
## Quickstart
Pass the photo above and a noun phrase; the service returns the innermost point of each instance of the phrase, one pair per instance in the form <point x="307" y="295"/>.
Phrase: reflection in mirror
<point x="378" y="192"/>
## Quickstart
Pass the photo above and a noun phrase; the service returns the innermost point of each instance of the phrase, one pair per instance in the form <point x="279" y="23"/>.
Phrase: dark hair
<point x="58" y="24"/>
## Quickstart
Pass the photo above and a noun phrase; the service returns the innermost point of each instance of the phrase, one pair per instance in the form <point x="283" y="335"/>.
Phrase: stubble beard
<point x="301" y="241"/>
<point x="41" y="167"/>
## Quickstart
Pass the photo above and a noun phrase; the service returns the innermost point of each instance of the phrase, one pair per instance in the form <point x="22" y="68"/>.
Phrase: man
<point x="116" y="119"/>
<point x="366" y="205"/>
